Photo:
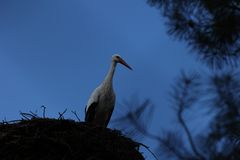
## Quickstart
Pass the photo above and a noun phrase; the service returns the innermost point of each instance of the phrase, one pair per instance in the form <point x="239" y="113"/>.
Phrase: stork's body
<point x="101" y="102"/>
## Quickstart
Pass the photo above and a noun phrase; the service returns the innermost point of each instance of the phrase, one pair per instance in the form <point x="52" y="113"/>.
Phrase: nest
<point x="53" y="139"/>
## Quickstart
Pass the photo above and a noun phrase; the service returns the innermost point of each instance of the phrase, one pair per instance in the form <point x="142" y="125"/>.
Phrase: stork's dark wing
<point x="109" y="117"/>
<point x="90" y="112"/>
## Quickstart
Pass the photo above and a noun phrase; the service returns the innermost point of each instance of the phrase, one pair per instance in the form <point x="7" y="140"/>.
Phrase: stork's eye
<point x="117" y="56"/>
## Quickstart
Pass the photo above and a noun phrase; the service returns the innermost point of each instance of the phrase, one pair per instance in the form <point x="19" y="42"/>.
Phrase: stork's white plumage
<point x="102" y="100"/>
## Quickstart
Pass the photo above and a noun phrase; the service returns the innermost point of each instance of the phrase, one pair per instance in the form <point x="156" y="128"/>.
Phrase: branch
<point x="28" y="116"/>
<point x="9" y="122"/>
<point x="155" y="137"/>
<point x="61" y="114"/>
<point x="134" y="117"/>
<point x="141" y="144"/>
<point x="44" y="111"/>
<point x="34" y="114"/>
<point x="182" y="122"/>
<point x="185" y="98"/>
<point x="189" y="136"/>
<point x="76" y="115"/>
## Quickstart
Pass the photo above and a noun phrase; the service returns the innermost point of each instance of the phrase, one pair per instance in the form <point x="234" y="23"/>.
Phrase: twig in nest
<point x="61" y="114"/>
<point x="23" y="115"/>
<point x="141" y="144"/>
<point x="28" y="116"/>
<point x="12" y="121"/>
<point x="44" y="111"/>
<point x="4" y="121"/>
<point x="35" y="114"/>
<point x="76" y="115"/>
<point x="9" y="122"/>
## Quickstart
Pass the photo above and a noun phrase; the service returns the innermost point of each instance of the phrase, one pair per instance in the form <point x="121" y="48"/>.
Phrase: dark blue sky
<point x="55" y="52"/>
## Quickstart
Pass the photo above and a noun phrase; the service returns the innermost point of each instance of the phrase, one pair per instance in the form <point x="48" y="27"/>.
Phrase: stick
<point x="61" y="114"/>
<point x="75" y="113"/>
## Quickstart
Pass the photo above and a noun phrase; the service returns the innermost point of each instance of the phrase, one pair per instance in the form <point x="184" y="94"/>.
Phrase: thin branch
<point x="61" y="114"/>
<point x="34" y="114"/>
<point x="4" y="121"/>
<point x="27" y="115"/>
<point x="141" y="144"/>
<point x="189" y="136"/>
<point x="133" y="117"/>
<point x="44" y="111"/>
<point x="9" y="122"/>
<point x="155" y="137"/>
<point x="76" y="115"/>
<point x="184" y="100"/>
<point x="183" y="124"/>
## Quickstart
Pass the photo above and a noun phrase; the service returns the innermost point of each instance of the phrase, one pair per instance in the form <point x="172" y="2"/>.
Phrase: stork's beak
<point x="125" y="64"/>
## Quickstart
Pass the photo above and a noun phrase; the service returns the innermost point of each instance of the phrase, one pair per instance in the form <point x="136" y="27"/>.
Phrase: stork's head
<point x="117" y="58"/>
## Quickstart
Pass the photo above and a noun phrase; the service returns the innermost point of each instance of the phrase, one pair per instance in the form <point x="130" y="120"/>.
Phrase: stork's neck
<point x="109" y="77"/>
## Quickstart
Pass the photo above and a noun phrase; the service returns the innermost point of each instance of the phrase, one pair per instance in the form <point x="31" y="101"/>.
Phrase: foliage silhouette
<point x="138" y="114"/>
<point x="220" y="140"/>
<point x="210" y="27"/>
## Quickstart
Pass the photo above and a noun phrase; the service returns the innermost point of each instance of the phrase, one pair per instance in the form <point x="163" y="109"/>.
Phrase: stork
<point x="102" y="100"/>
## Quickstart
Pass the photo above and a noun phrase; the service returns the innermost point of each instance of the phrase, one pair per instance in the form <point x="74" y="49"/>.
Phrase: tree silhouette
<point x="210" y="27"/>
<point x="220" y="90"/>
<point x="219" y="140"/>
